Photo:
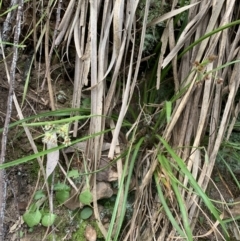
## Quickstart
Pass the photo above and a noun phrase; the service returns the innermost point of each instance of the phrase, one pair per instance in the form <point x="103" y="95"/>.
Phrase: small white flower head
<point x="62" y="130"/>
<point x="67" y="141"/>
<point x="50" y="138"/>
<point x="49" y="127"/>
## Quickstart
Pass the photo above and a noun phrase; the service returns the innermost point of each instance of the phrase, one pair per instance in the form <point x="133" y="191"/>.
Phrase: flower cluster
<point x="50" y="137"/>
<point x="62" y="130"/>
<point x="51" y="132"/>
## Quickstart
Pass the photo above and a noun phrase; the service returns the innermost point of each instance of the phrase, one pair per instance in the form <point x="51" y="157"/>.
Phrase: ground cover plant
<point x="119" y="120"/>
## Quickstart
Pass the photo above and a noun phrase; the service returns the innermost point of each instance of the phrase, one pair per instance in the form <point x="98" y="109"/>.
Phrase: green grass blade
<point x="166" y="208"/>
<point x="129" y="170"/>
<point x="230" y="169"/>
<point x="193" y="183"/>
<point x="168" y="110"/>
<point x="57" y="113"/>
<point x="27" y="81"/>
<point x="165" y="164"/>
<point x="42" y="153"/>
<point x="65" y="120"/>
<point x="229" y="25"/>
<point x="126" y="170"/>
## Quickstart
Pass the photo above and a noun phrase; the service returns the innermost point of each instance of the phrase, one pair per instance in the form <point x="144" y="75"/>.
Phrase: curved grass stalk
<point x="66" y="120"/>
<point x="229" y="25"/>
<point x="56" y="113"/>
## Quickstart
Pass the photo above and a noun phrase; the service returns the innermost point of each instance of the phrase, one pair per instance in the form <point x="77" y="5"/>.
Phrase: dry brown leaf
<point x="16" y="225"/>
<point x="73" y="202"/>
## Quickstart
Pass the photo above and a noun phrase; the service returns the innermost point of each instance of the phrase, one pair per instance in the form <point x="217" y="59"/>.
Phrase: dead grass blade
<point x="164" y="40"/>
<point x="65" y="22"/>
<point x="129" y="86"/>
<point x="171" y="14"/>
<point x="186" y="34"/>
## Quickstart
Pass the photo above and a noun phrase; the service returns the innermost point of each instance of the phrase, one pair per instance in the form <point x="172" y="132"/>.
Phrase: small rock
<point x="90" y="233"/>
<point x="104" y="190"/>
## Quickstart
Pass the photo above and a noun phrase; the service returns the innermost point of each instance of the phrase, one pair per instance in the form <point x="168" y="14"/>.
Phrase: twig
<point x="3" y="184"/>
<point x="48" y="56"/>
<point x="7" y="25"/>
<point x="48" y="60"/>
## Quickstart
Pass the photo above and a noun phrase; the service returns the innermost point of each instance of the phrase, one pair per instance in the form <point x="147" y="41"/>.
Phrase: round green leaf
<point x="61" y="186"/>
<point x="62" y="196"/>
<point x="86" y="213"/>
<point x="73" y="173"/>
<point x="86" y="197"/>
<point x="48" y="219"/>
<point x="32" y="218"/>
<point x="39" y="194"/>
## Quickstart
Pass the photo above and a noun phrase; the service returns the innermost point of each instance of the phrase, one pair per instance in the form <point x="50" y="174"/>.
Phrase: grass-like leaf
<point x="128" y="168"/>
<point x="193" y="183"/>
<point x="42" y="153"/>
<point x="166" y="207"/>
<point x="181" y="203"/>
